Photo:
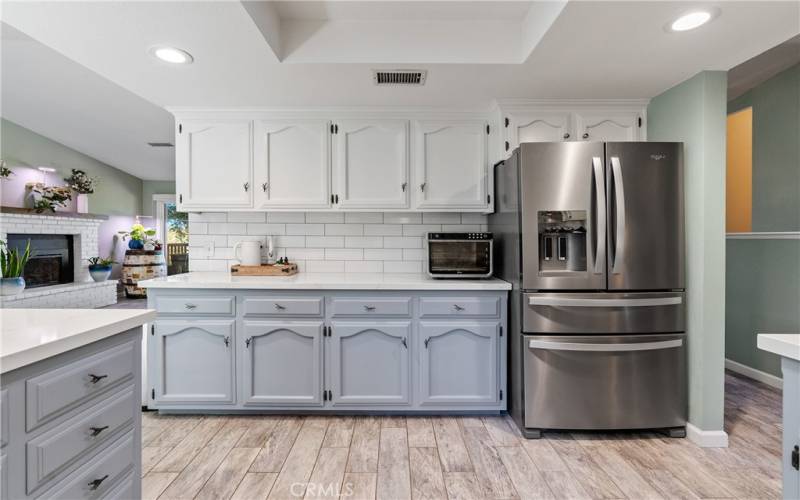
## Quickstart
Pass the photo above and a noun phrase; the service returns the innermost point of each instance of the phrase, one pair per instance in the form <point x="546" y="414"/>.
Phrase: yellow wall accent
<point x="739" y="182"/>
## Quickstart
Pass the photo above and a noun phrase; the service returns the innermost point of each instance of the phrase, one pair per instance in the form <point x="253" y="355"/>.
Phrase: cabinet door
<point x="459" y="362"/>
<point x="371" y="158"/>
<point x="292" y="164"/>
<point x="607" y="127"/>
<point x="194" y="361"/>
<point x="537" y="127"/>
<point x="370" y="362"/>
<point x="214" y="164"/>
<point x="282" y="363"/>
<point x="451" y="164"/>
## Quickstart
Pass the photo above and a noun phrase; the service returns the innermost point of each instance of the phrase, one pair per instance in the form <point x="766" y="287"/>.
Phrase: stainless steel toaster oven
<point x="460" y="255"/>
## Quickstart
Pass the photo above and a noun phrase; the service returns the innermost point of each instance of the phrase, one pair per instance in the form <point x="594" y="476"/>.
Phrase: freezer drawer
<point x="603" y="313"/>
<point x="604" y="382"/>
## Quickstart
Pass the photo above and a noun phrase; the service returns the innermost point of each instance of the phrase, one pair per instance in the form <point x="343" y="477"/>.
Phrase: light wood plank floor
<point x="258" y="457"/>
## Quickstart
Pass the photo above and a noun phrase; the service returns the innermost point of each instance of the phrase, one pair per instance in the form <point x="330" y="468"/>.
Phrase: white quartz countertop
<point x="323" y="281"/>
<point x="786" y="345"/>
<point x="31" y="335"/>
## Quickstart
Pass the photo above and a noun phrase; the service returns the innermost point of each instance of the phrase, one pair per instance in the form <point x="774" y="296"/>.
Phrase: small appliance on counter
<point x="460" y="255"/>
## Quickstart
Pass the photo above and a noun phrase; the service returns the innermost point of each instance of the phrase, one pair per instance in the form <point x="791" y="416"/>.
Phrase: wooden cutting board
<point x="265" y="270"/>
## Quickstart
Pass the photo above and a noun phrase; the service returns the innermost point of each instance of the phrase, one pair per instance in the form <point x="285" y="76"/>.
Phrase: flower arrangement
<point x="50" y="197"/>
<point x="100" y="268"/>
<point x="138" y="235"/>
<point x="5" y="172"/>
<point x="80" y="182"/>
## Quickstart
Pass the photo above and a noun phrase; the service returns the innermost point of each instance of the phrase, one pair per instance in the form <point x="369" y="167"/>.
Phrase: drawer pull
<point x="247" y="341"/>
<point x="426" y="342"/>
<point x="369" y="308"/>
<point x="97" y="378"/>
<point x="458" y="307"/>
<point x="191" y="306"/>
<point x="227" y="341"/>
<point x="280" y="307"/>
<point x="93" y="485"/>
<point x="97" y="430"/>
<point x="405" y="344"/>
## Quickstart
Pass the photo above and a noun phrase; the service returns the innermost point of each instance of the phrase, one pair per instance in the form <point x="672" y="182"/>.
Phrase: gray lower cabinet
<point x="459" y="362"/>
<point x="327" y="350"/>
<point x="282" y="363"/>
<point x="369" y="362"/>
<point x="194" y="361"/>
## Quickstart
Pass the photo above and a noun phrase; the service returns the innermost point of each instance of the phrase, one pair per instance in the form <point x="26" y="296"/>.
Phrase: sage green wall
<point x="763" y="275"/>
<point x="149" y="188"/>
<point x="117" y="193"/>
<point x="694" y="112"/>
<point x="776" y="150"/>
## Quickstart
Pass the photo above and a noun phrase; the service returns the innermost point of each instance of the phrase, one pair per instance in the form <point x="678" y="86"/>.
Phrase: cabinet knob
<point x="422" y="186"/>
<point x="426" y="342"/>
<point x="458" y="307"/>
<point x="279" y="307"/>
<point x="405" y="344"/>
<point x="403" y="186"/>
<point x="566" y="136"/>
<point x="97" y="378"/>
<point x="247" y="341"/>
<point x="97" y="430"/>
<point x="265" y="186"/>
<point x="369" y="308"/>
<point x="190" y="306"/>
<point x="227" y="341"/>
<point x="93" y="485"/>
<point x="585" y="135"/>
<point x="246" y="186"/>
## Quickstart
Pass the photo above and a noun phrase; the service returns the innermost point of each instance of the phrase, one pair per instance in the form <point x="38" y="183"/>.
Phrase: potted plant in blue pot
<point x="100" y="268"/>
<point x="12" y="264"/>
<point x="138" y="234"/>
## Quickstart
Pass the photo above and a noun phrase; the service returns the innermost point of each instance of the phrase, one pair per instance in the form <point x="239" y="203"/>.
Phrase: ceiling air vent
<point x="161" y="144"/>
<point x="399" y="77"/>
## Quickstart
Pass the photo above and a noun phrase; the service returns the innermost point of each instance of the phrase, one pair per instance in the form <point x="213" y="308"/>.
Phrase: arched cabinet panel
<point x="194" y="361"/>
<point x="370" y="362"/>
<point x="282" y="363"/>
<point x="459" y="362"/>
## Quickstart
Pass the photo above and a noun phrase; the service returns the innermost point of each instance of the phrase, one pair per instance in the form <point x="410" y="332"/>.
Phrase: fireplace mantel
<point x="30" y="211"/>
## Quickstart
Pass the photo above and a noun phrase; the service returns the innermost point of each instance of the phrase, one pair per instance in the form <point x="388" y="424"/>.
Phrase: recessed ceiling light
<point x="46" y="169"/>
<point x="692" y="20"/>
<point x="172" y="55"/>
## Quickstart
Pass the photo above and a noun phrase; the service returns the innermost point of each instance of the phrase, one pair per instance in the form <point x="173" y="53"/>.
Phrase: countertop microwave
<point x="460" y="255"/>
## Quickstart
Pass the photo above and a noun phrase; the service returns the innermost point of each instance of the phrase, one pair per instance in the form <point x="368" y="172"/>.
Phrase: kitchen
<point x="457" y="272"/>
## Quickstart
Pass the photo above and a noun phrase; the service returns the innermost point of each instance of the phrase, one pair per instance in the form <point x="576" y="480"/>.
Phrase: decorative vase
<point x="11" y="286"/>
<point x="99" y="273"/>
<point x="82" y="203"/>
<point x="135" y="244"/>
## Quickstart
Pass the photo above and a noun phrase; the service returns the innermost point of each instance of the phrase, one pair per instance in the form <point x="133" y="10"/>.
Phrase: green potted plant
<point x="5" y="172"/>
<point x="12" y="264"/>
<point x="100" y="268"/>
<point x="138" y="234"/>
<point x="48" y="197"/>
<point x="80" y="182"/>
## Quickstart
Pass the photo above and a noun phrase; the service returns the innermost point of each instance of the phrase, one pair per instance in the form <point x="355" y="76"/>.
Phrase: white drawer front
<point x="49" y="453"/>
<point x="196" y="305"/>
<point x="97" y="477"/>
<point x="284" y="306"/>
<point x="399" y="306"/>
<point x="56" y="391"/>
<point x="459" y="306"/>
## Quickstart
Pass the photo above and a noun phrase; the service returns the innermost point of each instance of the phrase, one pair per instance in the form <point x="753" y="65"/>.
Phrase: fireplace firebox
<point x="52" y="259"/>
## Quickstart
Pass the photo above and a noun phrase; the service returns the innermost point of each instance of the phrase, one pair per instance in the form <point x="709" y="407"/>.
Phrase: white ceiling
<point x="322" y="53"/>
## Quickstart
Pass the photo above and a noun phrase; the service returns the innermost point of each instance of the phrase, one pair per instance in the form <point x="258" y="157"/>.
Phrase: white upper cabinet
<point x="537" y="127"/>
<point x="607" y="126"/>
<point x="451" y="164"/>
<point x="371" y="164"/>
<point x="214" y="164"/>
<point x="292" y="164"/>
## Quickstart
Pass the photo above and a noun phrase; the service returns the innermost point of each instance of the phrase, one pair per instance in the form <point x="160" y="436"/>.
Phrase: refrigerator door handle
<point x="592" y="347"/>
<point x="600" y="209"/>
<point x="581" y="302"/>
<point x="619" y="196"/>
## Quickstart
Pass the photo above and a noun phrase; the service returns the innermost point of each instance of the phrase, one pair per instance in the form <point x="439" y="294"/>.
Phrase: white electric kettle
<point x="250" y="253"/>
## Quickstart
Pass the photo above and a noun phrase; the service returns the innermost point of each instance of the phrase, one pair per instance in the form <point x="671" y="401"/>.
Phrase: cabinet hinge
<point x="331" y="199"/>
<point x="332" y="132"/>
<point x="336" y="129"/>
<point x="336" y="197"/>
<point x="330" y="396"/>
<point x="501" y="394"/>
<point x="152" y="329"/>
<point x="487" y="130"/>
<point x="506" y="122"/>
<point x="153" y="393"/>
<point x="180" y="128"/>
<point x="640" y="122"/>
<point x="488" y="198"/>
<point x="796" y="457"/>
<point x="180" y="198"/>
<point x="507" y="145"/>
<point x="501" y="331"/>
<point x="324" y="395"/>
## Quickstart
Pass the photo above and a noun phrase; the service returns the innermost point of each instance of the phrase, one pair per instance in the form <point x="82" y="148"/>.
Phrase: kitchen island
<point x="787" y="346"/>
<point x="69" y="402"/>
<point x="343" y="343"/>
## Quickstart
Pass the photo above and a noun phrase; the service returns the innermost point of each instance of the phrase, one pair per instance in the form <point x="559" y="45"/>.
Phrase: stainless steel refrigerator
<point x="591" y="235"/>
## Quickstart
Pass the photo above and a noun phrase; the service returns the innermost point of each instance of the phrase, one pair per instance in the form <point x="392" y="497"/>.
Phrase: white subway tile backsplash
<point x="358" y="242"/>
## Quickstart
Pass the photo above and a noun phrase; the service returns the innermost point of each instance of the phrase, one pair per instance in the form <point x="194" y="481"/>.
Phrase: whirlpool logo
<point x="658" y="157"/>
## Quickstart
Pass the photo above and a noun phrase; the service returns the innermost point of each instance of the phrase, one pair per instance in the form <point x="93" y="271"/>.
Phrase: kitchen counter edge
<point x="786" y="345"/>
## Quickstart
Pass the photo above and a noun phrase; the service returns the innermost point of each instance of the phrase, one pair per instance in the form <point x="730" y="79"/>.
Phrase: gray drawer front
<point x="122" y="490"/>
<point x="196" y="305"/>
<point x="3" y="417"/>
<point x="396" y="306"/>
<point x="112" y="463"/>
<point x="284" y="306"/>
<point x="459" y="306"/>
<point x="49" y="453"/>
<point x="56" y="391"/>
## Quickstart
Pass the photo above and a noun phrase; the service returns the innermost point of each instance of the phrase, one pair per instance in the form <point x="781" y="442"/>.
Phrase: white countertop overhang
<point x="322" y="281"/>
<point x="31" y="335"/>
<point x="786" y="345"/>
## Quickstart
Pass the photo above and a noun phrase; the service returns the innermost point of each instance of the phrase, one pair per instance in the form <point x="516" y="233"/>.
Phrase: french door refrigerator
<point x="591" y="235"/>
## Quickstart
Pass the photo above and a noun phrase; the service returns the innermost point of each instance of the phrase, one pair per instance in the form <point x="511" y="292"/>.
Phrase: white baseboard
<point x="706" y="439"/>
<point x="770" y="380"/>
